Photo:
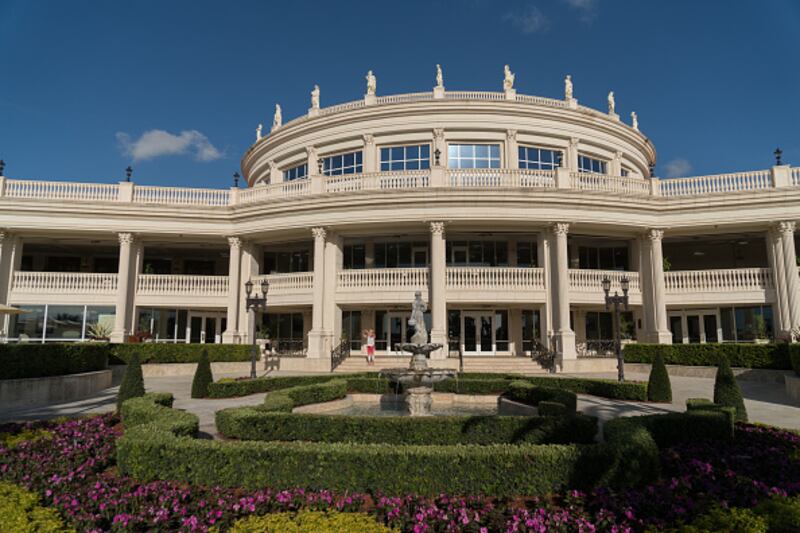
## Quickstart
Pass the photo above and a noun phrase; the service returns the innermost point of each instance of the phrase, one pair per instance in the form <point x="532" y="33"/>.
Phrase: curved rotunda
<point x="506" y="211"/>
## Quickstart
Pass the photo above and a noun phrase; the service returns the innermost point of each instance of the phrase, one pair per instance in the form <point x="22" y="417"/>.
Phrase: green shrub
<point x="659" y="388"/>
<point x="132" y="382"/>
<point x="530" y="394"/>
<point x="795" y="357"/>
<point x="702" y="404"/>
<point x="605" y="388"/>
<point x="316" y="521"/>
<point x="247" y="423"/>
<point x="634" y="451"/>
<point x="11" y="440"/>
<point x="464" y="385"/>
<point x="202" y="377"/>
<point x="782" y="514"/>
<point x="161" y="352"/>
<point x="727" y="391"/>
<point x="246" y="387"/>
<point x="552" y="409"/>
<point x="24" y="360"/>
<point x="675" y="428"/>
<point x="22" y="512"/>
<point x="742" y="355"/>
<point x="155" y="412"/>
<point x="733" y="520"/>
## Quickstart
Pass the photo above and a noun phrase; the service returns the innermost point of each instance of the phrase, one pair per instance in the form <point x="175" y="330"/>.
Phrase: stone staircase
<point x="498" y="365"/>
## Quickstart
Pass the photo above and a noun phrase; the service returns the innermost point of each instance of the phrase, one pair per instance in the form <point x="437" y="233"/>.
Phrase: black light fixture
<point x="255" y="303"/>
<point x="319" y="166"/>
<point x="606" y="285"/>
<point x="264" y="286"/>
<point x="248" y="288"/>
<point x="778" y="153"/>
<point x="437" y="157"/>
<point x="625" y="283"/>
<point x="2" y="166"/>
<point x="652" y="169"/>
<point x="236" y="179"/>
<point x="128" y="172"/>
<point x="559" y="159"/>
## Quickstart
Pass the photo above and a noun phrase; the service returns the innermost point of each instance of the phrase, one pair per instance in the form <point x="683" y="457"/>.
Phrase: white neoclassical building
<point x="506" y="211"/>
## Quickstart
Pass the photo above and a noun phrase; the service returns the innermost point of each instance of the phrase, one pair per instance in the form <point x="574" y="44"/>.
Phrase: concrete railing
<point x="383" y="278"/>
<point x="168" y="284"/>
<point x="494" y="278"/>
<point x="500" y="178"/>
<point x="408" y="179"/>
<point x="64" y="282"/>
<point x="723" y="280"/>
<point x="288" y="283"/>
<point x="719" y="183"/>
<point x="603" y="182"/>
<point x="59" y="190"/>
<point x="587" y="280"/>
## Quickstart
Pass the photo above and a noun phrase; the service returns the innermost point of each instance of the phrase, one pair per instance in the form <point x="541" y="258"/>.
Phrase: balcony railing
<point x="287" y="283"/>
<point x="180" y="196"/>
<point x="163" y="284"/>
<point x="586" y="280"/>
<point x="500" y="178"/>
<point x="603" y="182"/>
<point x="64" y="282"/>
<point x="729" y="279"/>
<point x="495" y="278"/>
<point x="408" y="179"/>
<point x="60" y="190"/>
<point x="719" y="183"/>
<point x="383" y="278"/>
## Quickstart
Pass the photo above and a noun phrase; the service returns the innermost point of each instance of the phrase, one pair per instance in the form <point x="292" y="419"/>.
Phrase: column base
<point x="320" y="344"/>
<point x="231" y="337"/>
<point x="440" y="337"/>
<point x="565" y="346"/>
<point x="659" y="337"/>
<point x="118" y="337"/>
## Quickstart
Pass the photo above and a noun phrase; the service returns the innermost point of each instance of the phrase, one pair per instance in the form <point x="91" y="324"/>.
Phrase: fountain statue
<point x="418" y="378"/>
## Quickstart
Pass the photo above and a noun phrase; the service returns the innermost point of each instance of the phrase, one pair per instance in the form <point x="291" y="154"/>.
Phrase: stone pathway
<point x="766" y="402"/>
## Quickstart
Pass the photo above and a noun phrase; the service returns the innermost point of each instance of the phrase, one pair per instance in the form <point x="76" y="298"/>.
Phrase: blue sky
<point x="715" y="83"/>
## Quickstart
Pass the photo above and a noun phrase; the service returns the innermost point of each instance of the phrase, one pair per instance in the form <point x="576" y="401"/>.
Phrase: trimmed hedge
<point x="245" y="387"/>
<point x="19" y="361"/>
<point x="673" y="428"/>
<point x="202" y="377"/>
<point x="159" y="352"/>
<point x="742" y="355"/>
<point x="22" y="512"/>
<point x="154" y="411"/>
<point x="703" y="404"/>
<point x="247" y="423"/>
<point x="132" y="384"/>
<point x="727" y="391"/>
<point x="304" y="521"/>
<point x="795" y="359"/>
<point x="286" y="399"/>
<point x="530" y="394"/>
<point x="659" y="388"/>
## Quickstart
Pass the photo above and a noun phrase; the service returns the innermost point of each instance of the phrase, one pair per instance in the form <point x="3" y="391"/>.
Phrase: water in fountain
<point x="418" y="378"/>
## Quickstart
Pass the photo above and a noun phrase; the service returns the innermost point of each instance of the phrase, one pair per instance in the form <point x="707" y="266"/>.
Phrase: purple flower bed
<point x="75" y="472"/>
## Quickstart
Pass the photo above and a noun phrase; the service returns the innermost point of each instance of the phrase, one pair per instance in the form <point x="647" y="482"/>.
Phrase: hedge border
<point x="740" y="355"/>
<point x="163" y="352"/>
<point x="31" y="360"/>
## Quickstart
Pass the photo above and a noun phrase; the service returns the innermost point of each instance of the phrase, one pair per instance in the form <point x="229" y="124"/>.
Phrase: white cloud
<point x="677" y="168"/>
<point x="157" y="143"/>
<point x="531" y="20"/>
<point x="587" y="9"/>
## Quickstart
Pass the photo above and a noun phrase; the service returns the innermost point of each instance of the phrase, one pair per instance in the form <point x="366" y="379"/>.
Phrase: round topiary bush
<point x="659" y="389"/>
<point x="727" y="391"/>
<point x="132" y="384"/>
<point x="317" y="521"/>
<point x="202" y="377"/>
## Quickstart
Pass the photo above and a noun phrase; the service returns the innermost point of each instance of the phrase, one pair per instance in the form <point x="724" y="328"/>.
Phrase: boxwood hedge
<point x="25" y="360"/>
<point x="157" y="352"/>
<point x="771" y="356"/>
<point x="528" y="393"/>
<point x="795" y="358"/>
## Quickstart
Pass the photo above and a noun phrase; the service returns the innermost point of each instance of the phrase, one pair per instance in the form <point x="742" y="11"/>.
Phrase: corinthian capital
<point x="511" y="135"/>
<point x="655" y="234"/>
<point x="561" y="228"/>
<point x="437" y="228"/>
<point x="438" y="134"/>
<point x="319" y="233"/>
<point x="125" y="238"/>
<point x="235" y="242"/>
<point x="786" y="227"/>
<point x="369" y="139"/>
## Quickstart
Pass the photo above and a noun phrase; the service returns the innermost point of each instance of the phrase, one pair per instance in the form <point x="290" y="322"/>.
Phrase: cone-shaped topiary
<point x="659" y="389"/>
<point x="727" y="391"/>
<point x="202" y="377"/>
<point x="132" y="382"/>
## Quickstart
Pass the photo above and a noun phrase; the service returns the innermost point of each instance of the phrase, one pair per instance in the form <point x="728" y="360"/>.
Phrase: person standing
<point x="369" y="335"/>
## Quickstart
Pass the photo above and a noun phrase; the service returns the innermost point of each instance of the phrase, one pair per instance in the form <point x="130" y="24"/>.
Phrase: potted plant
<point x="99" y="332"/>
<point x="760" y="330"/>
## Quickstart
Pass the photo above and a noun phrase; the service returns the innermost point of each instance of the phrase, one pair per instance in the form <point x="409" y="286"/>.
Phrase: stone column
<point x="316" y="335"/>
<point x="121" y="332"/>
<point x="646" y="283"/>
<point x="437" y="283"/>
<point x="275" y="174"/>
<point x="331" y="313"/>
<point x="783" y="319"/>
<point x="786" y="229"/>
<point x="371" y="163"/>
<point x="571" y="162"/>
<point x="564" y="337"/>
<point x="512" y="152"/>
<point x="662" y="334"/>
<point x="231" y="334"/>
<point x="311" y="161"/>
<point x="615" y="165"/>
<point x="543" y="243"/>
<point x="249" y="271"/>
<point x="6" y="275"/>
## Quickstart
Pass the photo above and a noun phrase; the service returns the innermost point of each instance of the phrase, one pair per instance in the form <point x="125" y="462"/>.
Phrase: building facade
<point x="506" y="211"/>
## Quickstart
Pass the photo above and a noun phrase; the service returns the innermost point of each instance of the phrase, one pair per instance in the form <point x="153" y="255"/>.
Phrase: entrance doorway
<point x="695" y="327"/>
<point x="477" y="337"/>
<point x="205" y="327"/>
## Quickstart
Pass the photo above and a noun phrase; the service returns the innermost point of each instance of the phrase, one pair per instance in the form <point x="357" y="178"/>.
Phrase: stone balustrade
<point x="718" y="280"/>
<point x="500" y="178"/>
<point x="587" y="280"/>
<point x="290" y="283"/>
<point x="494" y="278"/>
<point x="383" y="279"/>
<point x="64" y="283"/>
<point x="168" y="284"/>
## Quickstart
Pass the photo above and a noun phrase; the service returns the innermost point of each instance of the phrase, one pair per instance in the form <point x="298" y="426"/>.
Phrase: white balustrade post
<point x="564" y="337"/>
<point x="370" y="154"/>
<point x="662" y="333"/>
<point x="563" y="180"/>
<point x="125" y="191"/>
<point x="6" y="273"/>
<point x="2" y="186"/>
<point x="786" y="229"/>
<point x="571" y="156"/>
<point x="121" y="332"/>
<point x="615" y="165"/>
<point x="781" y="176"/>
<point x="275" y="174"/>
<point x="231" y="333"/>
<point x="777" y="264"/>
<point x="438" y="290"/>
<point x="316" y="335"/>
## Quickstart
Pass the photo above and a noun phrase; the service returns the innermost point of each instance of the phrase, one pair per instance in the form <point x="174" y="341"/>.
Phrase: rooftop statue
<point x="508" y="80"/>
<point x="634" y="121"/>
<point x="372" y="83"/>
<point x="439" y="77"/>
<point x="315" y="97"/>
<point x="277" y="120"/>
<point x="417" y="320"/>
<point x="568" y="87"/>
<point x="258" y="131"/>
<point x="612" y="104"/>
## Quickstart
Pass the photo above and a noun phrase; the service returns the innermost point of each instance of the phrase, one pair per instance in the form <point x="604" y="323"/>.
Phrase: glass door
<point x="205" y="328"/>
<point x="695" y="327"/>
<point x="478" y="333"/>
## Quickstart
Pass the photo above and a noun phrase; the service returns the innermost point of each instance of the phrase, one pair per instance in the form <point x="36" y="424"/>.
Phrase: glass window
<point x="65" y="322"/>
<point x="412" y="157"/>
<point x="62" y="264"/>
<point x="473" y="156"/>
<point x="285" y="331"/>
<point x="351" y="328"/>
<point x="527" y="254"/>
<point x="159" y="323"/>
<point x="590" y="164"/>
<point x="531" y="332"/>
<point x="296" y="173"/>
<point x="501" y="331"/>
<point x="283" y="262"/>
<point x="99" y="321"/>
<point x="354" y="256"/>
<point x="400" y="254"/>
<point x="624" y="172"/>
<point x="478" y="253"/>
<point x="599" y="326"/>
<point x="30" y="325"/>
<point x="537" y="158"/>
<point x="603" y="257"/>
<point x="349" y="163"/>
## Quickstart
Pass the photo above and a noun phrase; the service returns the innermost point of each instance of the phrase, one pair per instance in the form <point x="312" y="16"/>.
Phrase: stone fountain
<point x="418" y="378"/>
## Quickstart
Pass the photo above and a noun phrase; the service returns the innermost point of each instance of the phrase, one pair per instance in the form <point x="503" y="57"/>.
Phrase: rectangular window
<point x="501" y="331"/>
<point x="285" y="331"/>
<point x="351" y="328"/>
<point x="477" y="253"/>
<point x="30" y="325"/>
<point x="473" y="156"/>
<point x="349" y="163"/>
<point x="401" y="254"/>
<point x="61" y="322"/>
<point x="296" y="173"/>
<point x="531" y="332"/>
<point x="603" y="257"/>
<point x="286" y="261"/>
<point x="624" y="172"/>
<point x="412" y="157"/>
<point x="354" y="256"/>
<point x="599" y="326"/>
<point x="527" y="254"/>
<point x="590" y="164"/>
<point x="537" y="158"/>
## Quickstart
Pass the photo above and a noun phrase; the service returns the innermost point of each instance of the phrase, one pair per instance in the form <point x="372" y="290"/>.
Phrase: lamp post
<point x="255" y="302"/>
<point x="617" y="301"/>
<point x="128" y="172"/>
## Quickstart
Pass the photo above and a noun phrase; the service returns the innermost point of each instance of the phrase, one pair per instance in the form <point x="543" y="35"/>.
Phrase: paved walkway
<point x="766" y="402"/>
